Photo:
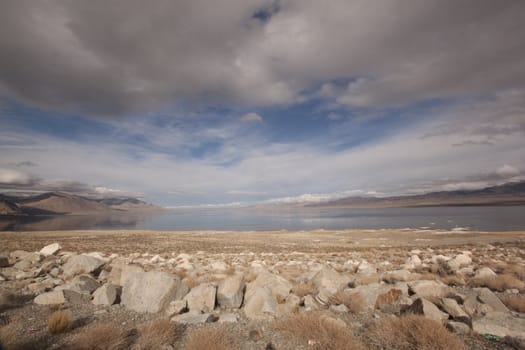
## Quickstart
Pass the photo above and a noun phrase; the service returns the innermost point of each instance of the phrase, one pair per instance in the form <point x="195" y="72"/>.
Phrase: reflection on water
<point x="476" y="218"/>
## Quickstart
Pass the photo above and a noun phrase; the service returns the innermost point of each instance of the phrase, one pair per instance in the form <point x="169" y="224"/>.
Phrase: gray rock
<point x="458" y="327"/>
<point x="486" y="296"/>
<point x="4" y="261"/>
<point x="74" y="297"/>
<point x="194" y="318"/>
<point x="291" y="304"/>
<point x="421" y="306"/>
<point x="330" y="279"/>
<point x="459" y="261"/>
<point x="83" y="284"/>
<point x="201" y="299"/>
<point x="310" y="304"/>
<point x="79" y="264"/>
<point x="261" y="304"/>
<point x="50" y="249"/>
<point x="279" y="286"/>
<point x="228" y="317"/>
<point x="400" y="275"/>
<point x="107" y="295"/>
<point x="501" y="324"/>
<point x="176" y="307"/>
<point x="23" y="265"/>
<point x="429" y="289"/>
<point x="452" y="308"/>
<point x="365" y="268"/>
<point x="230" y="292"/>
<point x="339" y="309"/>
<point x="371" y="291"/>
<point x="149" y="291"/>
<point x="50" y="298"/>
<point x="120" y="275"/>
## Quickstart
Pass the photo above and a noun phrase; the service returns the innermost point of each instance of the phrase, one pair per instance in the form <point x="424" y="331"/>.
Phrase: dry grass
<point x="13" y="336"/>
<point x="106" y="336"/>
<point x="318" y="331"/>
<point x="514" y="302"/>
<point x="388" y="298"/>
<point x="211" y="338"/>
<point x="352" y="300"/>
<point x="453" y="280"/>
<point x="155" y="335"/>
<point x="304" y="289"/>
<point x="412" y="332"/>
<point x="191" y="282"/>
<point x="499" y="283"/>
<point x="182" y="273"/>
<point x="59" y="322"/>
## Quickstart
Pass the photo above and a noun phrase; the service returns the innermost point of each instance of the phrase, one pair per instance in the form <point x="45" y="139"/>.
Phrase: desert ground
<point x="344" y="289"/>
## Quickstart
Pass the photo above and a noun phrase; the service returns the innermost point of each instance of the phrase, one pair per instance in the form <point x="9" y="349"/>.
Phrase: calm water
<point x="476" y="218"/>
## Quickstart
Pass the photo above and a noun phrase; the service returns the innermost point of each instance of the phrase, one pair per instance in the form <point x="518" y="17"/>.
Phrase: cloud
<point x="25" y="164"/>
<point x="506" y="171"/>
<point x="118" y="56"/>
<point x="245" y="193"/>
<point x="11" y="177"/>
<point x="252" y="118"/>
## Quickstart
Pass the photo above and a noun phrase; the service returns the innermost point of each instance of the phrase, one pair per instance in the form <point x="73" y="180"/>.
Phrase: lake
<point x="474" y="218"/>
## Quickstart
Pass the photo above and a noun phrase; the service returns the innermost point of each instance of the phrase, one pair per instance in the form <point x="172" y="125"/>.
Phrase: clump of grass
<point x="13" y="336"/>
<point x="59" y="322"/>
<point x="318" y="331"/>
<point x="499" y="283"/>
<point x="155" y="335"/>
<point x="105" y="336"/>
<point x="388" y="298"/>
<point x="352" y="300"/>
<point x="211" y="338"/>
<point x="413" y="332"/>
<point x="514" y="302"/>
<point x="304" y="289"/>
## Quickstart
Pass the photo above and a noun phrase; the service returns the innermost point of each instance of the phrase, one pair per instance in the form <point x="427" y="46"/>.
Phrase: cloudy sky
<point x="190" y="103"/>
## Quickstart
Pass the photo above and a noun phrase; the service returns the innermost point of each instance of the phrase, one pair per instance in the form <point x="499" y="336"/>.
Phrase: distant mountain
<point x="506" y="194"/>
<point x="56" y="203"/>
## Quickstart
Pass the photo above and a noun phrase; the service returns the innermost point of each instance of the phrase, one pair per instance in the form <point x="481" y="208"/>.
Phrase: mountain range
<point x="61" y="203"/>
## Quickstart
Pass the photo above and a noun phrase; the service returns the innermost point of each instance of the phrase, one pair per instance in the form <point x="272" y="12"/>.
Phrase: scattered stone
<point x="260" y="304"/>
<point x="83" y="284"/>
<point x="412" y="262"/>
<point x="228" y="317"/>
<point x="365" y="268"/>
<point x="459" y="261"/>
<point x="176" y="307"/>
<point x="219" y="266"/>
<point x="399" y="275"/>
<point x="279" y="286"/>
<point x="4" y="261"/>
<point x="149" y="291"/>
<point x="310" y="304"/>
<point x="79" y="264"/>
<point x="486" y="296"/>
<point x="458" y="327"/>
<point x="291" y="304"/>
<point x="452" y="308"/>
<point x="230" y="292"/>
<point x="421" y="306"/>
<point x="201" y="299"/>
<point x="51" y="249"/>
<point x="501" y="324"/>
<point x="74" y="297"/>
<point x="485" y="272"/>
<point x="50" y="298"/>
<point x="107" y="295"/>
<point x="428" y="289"/>
<point x="330" y="279"/>
<point x="190" y="318"/>
<point x="339" y="309"/>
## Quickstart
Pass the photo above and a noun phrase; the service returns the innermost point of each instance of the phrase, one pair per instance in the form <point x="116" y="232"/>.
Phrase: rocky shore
<point x="474" y="291"/>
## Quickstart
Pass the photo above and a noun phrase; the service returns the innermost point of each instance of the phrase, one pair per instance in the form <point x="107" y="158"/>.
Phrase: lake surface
<point x="475" y="218"/>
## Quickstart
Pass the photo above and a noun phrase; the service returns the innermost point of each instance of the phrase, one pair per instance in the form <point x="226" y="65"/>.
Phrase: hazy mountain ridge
<point x="506" y="194"/>
<point x="59" y="203"/>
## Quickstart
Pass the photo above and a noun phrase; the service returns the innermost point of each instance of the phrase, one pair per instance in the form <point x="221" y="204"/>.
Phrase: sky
<point x="184" y="103"/>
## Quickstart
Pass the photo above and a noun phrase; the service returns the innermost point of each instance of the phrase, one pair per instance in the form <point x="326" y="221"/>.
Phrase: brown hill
<point x="8" y="207"/>
<point x="64" y="203"/>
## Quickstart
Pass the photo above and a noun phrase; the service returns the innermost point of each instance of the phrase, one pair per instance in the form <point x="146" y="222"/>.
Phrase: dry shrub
<point x="106" y="336"/>
<point x="211" y="338"/>
<point x="190" y="282"/>
<point x="318" y="331"/>
<point x="413" y="332"/>
<point x="499" y="283"/>
<point x="352" y="300"/>
<point x="304" y="289"/>
<point x="14" y="337"/>
<point x="514" y="302"/>
<point x="58" y="322"/>
<point x="442" y="268"/>
<point x="230" y="271"/>
<point x="453" y="280"/>
<point x="388" y="298"/>
<point x="156" y="334"/>
<point x="182" y="273"/>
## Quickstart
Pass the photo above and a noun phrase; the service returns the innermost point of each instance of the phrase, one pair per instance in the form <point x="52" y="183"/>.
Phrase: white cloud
<point x="15" y="177"/>
<point x="507" y="171"/>
<point x="252" y="118"/>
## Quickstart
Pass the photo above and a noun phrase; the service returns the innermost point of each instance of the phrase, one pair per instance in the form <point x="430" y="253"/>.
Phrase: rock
<point x="201" y="299"/>
<point x="83" y="284"/>
<point x="261" y="304"/>
<point x="330" y="279"/>
<point x="291" y="304"/>
<point x="486" y="296"/>
<point x="219" y="266"/>
<point x="4" y="261"/>
<point x="372" y="291"/>
<point x="485" y="272"/>
<point x="399" y="275"/>
<point x="435" y="259"/>
<point x="339" y="309"/>
<point x="324" y="296"/>
<point x="50" y="298"/>
<point x="74" y="297"/>
<point x="79" y="264"/>
<point x="279" y="286"/>
<point x="51" y="249"/>
<point x="149" y="291"/>
<point x="429" y="289"/>
<point x="310" y="304"/>
<point x="459" y="261"/>
<point x="421" y="306"/>
<point x="23" y="265"/>
<point x="412" y="262"/>
<point x="228" y="317"/>
<point x="365" y="268"/>
<point x="452" y="308"/>
<point x="458" y="327"/>
<point x="176" y="307"/>
<point x="194" y="318"/>
<point x="230" y="292"/>
<point x="107" y="295"/>
<point x="501" y="324"/>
